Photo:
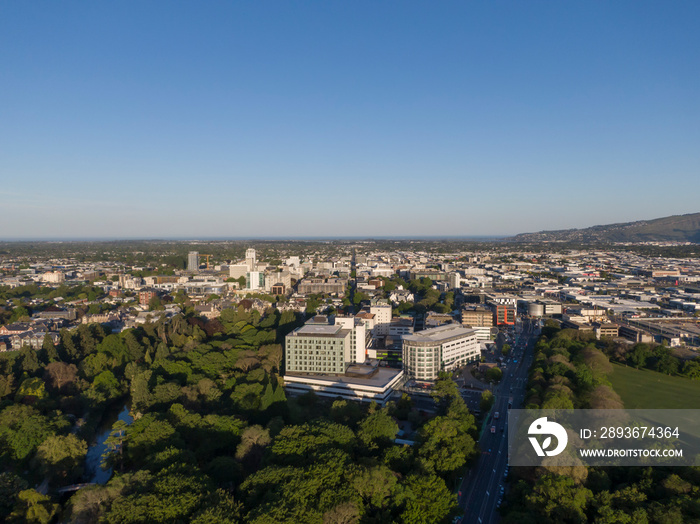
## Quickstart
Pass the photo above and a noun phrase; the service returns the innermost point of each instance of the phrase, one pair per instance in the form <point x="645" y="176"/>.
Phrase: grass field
<point x="641" y="388"/>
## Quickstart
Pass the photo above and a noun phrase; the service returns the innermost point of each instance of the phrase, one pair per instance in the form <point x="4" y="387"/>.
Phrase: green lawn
<point x="641" y="388"/>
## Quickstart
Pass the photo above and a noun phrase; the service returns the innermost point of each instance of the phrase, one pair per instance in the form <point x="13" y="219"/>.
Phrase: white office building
<point x="255" y="280"/>
<point x="359" y="337"/>
<point x="382" y="319"/>
<point x="250" y="259"/>
<point x="443" y="348"/>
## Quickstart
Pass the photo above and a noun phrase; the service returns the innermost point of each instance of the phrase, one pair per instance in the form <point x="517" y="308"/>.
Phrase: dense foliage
<point x="570" y="371"/>
<point x="214" y="438"/>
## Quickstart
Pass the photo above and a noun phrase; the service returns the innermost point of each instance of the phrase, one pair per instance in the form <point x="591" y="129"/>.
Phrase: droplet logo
<point x="542" y="426"/>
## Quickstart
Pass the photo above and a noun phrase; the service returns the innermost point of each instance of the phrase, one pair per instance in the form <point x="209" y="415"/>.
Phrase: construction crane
<point x="201" y="255"/>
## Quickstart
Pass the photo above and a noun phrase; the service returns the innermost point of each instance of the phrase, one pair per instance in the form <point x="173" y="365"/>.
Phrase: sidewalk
<point x="467" y="379"/>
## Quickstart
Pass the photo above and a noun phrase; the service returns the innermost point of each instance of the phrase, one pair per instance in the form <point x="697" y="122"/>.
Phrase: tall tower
<point x="193" y="261"/>
<point x="250" y="259"/>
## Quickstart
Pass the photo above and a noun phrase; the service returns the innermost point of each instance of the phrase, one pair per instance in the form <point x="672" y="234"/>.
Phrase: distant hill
<point x="680" y="228"/>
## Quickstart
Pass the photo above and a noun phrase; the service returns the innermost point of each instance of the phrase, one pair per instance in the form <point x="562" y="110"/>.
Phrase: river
<point x="93" y="470"/>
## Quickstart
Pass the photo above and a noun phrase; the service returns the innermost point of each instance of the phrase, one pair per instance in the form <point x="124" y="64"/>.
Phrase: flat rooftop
<point x="379" y="380"/>
<point x="318" y="329"/>
<point x="439" y="334"/>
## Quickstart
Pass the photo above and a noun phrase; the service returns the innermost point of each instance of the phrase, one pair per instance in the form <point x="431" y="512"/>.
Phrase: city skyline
<point x="327" y="121"/>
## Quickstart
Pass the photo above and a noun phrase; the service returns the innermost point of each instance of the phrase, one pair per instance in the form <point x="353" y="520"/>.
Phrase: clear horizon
<point x="363" y="120"/>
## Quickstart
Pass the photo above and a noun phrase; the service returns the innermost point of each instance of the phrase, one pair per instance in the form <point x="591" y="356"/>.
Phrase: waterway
<point x="93" y="460"/>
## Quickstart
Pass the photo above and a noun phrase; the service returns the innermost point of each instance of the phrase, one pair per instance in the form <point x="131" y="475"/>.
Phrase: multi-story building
<point x="250" y="259"/>
<point x="329" y="360"/>
<point x="193" y="261"/>
<point x="318" y="348"/>
<point x="276" y="278"/>
<point x="432" y="274"/>
<point x="359" y="337"/>
<point x="53" y="277"/>
<point x="428" y="352"/>
<point x="382" y="318"/>
<point x="255" y="280"/>
<point x="504" y="314"/>
<point x="31" y="339"/>
<point x="146" y="295"/>
<point x="237" y="270"/>
<point x="332" y="286"/>
<point x="475" y="316"/>
<point x="398" y="327"/>
<point x="635" y="335"/>
<point x="606" y="330"/>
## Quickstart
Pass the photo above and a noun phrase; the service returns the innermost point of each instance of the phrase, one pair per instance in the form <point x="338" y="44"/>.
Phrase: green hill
<point x="679" y="228"/>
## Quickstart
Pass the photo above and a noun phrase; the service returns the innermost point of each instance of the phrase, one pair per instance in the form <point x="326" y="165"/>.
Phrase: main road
<point x="482" y="489"/>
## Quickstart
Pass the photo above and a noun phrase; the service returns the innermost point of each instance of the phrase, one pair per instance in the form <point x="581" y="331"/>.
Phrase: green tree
<point x="247" y="396"/>
<point x="494" y="374"/>
<point x="638" y="355"/>
<point x="487" y="400"/>
<point x="428" y="500"/>
<point x="114" y="445"/>
<point x="48" y="352"/>
<point x="6" y="385"/>
<point x="31" y="387"/>
<point x="10" y="487"/>
<point x="378" y="429"/>
<point x="61" y="457"/>
<point x="33" y="508"/>
<point x="22" y="429"/>
<point x="445" y="446"/>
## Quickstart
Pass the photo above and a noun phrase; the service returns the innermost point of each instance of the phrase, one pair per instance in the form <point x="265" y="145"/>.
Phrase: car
<point x="495" y="415"/>
<point x="493" y="429"/>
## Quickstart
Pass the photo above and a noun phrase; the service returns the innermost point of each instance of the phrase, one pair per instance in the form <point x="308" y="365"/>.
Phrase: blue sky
<point x="249" y="119"/>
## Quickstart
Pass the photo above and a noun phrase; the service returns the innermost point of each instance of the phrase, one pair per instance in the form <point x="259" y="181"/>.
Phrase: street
<point x="482" y="490"/>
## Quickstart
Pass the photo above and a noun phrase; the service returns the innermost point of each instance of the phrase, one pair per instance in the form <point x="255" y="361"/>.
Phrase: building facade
<point x="428" y="352"/>
<point x="193" y="261"/>
<point x="382" y="318"/>
<point x="250" y="259"/>
<point x="332" y="286"/>
<point x="318" y="348"/>
<point x="477" y="317"/>
<point x="359" y="337"/>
